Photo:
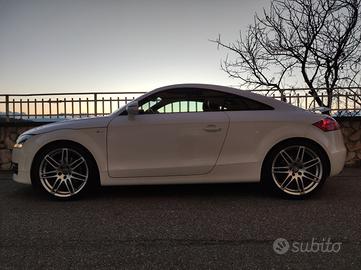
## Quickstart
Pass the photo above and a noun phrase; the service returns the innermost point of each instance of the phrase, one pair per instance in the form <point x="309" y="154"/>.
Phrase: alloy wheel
<point x="63" y="172"/>
<point x="297" y="170"/>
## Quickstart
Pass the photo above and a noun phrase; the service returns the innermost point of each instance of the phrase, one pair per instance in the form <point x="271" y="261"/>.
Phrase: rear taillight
<point x="327" y="124"/>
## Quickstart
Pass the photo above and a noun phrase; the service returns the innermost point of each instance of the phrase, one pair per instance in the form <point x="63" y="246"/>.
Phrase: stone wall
<point x="9" y="131"/>
<point x="351" y="129"/>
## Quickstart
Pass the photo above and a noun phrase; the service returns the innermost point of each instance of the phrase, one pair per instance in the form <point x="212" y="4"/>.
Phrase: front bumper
<point x="22" y="166"/>
<point x="14" y="168"/>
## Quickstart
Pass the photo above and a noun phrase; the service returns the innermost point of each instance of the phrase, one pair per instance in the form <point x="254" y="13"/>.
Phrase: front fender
<point x="93" y="139"/>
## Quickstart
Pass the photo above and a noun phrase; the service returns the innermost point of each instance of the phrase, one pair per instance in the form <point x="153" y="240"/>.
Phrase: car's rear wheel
<point x="295" y="169"/>
<point x="64" y="171"/>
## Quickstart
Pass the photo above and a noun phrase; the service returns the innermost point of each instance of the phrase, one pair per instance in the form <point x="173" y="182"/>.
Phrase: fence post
<point x="7" y="108"/>
<point x="95" y="104"/>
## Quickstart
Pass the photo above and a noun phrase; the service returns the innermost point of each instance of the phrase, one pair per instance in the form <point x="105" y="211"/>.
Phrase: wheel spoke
<point x="310" y="175"/>
<point x="77" y="163"/>
<point x="310" y="178"/>
<point x="300" y="185"/>
<point x="49" y="174"/>
<point x="300" y="154"/>
<point x="56" y="185"/>
<point x="289" y="179"/>
<point x="311" y="163"/>
<point x="65" y="155"/>
<point x="69" y="186"/>
<point x="286" y="157"/>
<point x="52" y="162"/>
<point x="282" y="169"/>
<point x="78" y="176"/>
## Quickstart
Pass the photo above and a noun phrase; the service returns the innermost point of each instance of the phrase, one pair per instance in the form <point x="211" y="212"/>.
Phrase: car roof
<point x="280" y="105"/>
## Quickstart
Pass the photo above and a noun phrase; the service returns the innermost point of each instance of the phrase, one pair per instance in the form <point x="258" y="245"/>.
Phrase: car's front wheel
<point x="295" y="169"/>
<point x="64" y="171"/>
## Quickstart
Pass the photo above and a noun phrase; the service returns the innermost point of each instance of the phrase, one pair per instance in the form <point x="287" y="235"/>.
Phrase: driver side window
<point x="146" y="107"/>
<point x="172" y="101"/>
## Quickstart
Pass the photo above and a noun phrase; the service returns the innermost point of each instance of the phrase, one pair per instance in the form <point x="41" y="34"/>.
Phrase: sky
<point x="106" y="45"/>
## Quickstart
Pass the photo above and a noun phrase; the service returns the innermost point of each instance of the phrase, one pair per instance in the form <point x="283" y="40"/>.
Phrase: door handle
<point x="212" y="128"/>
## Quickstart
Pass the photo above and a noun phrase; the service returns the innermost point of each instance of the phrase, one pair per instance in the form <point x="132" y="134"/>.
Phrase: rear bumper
<point x="336" y="151"/>
<point x="337" y="161"/>
<point x="333" y="144"/>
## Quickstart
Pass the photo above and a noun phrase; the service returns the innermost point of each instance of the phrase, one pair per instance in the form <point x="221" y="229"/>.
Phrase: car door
<point x="178" y="139"/>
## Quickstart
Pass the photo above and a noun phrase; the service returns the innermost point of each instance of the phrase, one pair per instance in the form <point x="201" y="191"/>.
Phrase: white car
<point x="189" y="133"/>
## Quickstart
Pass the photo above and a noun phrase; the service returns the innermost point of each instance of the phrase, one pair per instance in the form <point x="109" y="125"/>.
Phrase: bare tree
<point x="316" y="40"/>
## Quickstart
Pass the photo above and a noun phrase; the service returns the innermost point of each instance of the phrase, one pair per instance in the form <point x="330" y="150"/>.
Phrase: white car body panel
<point x="165" y="144"/>
<point x="175" y="148"/>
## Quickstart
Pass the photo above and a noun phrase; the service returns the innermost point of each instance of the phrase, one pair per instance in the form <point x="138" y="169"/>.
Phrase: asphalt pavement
<point x="217" y="226"/>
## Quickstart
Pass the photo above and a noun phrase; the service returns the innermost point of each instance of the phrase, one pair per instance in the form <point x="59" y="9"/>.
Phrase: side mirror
<point x="133" y="108"/>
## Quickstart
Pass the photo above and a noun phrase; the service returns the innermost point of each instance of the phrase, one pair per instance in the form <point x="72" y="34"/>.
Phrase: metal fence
<point x="345" y="101"/>
<point x="50" y="107"/>
<point x="62" y="105"/>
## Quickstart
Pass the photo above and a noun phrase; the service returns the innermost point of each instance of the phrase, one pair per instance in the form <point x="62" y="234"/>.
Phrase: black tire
<point x="295" y="180"/>
<point x="64" y="182"/>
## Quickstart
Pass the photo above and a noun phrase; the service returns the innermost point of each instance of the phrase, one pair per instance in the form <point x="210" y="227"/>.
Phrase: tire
<point x="295" y="169"/>
<point x="64" y="171"/>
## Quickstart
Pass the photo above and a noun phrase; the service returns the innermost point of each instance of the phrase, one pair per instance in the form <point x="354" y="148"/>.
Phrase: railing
<point x="345" y="101"/>
<point x="63" y="105"/>
<point x="50" y="107"/>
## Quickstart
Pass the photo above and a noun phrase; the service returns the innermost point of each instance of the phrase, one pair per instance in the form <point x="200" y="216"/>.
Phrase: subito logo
<point x="281" y="246"/>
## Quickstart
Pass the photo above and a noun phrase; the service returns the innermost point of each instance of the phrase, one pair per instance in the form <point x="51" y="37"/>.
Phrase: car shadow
<point x="106" y="193"/>
<point x="179" y="190"/>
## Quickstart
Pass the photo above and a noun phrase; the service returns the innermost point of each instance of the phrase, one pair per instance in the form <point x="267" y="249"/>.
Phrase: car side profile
<point x="188" y="133"/>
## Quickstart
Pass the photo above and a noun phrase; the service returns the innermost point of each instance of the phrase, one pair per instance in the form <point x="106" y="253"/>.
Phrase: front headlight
<point x="21" y="140"/>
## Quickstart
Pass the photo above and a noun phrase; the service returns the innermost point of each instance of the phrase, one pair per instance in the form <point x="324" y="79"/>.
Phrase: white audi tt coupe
<point x="190" y="133"/>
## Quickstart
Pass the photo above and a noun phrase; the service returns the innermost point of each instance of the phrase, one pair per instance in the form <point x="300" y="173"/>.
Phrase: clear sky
<point x="123" y="45"/>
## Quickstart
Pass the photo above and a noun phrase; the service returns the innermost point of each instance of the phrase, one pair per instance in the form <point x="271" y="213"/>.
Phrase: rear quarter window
<point x="237" y="103"/>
